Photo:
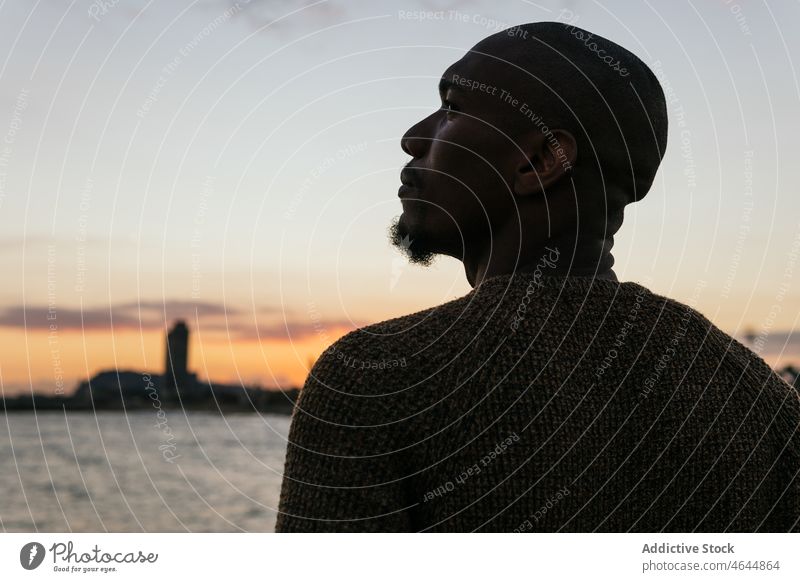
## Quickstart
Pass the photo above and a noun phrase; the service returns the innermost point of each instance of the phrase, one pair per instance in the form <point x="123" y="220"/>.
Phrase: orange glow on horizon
<point x="56" y="363"/>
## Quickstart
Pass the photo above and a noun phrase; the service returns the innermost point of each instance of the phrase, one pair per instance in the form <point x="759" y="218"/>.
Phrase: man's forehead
<point x="469" y="64"/>
<point x="487" y="68"/>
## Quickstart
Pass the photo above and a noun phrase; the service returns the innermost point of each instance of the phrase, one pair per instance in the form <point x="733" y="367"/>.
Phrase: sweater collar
<point x="558" y="282"/>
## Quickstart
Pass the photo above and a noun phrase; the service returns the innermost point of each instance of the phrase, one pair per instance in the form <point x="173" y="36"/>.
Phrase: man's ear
<point x="543" y="160"/>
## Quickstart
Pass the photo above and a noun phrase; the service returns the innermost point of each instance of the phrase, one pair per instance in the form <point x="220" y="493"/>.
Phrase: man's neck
<point x="562" y="256"/>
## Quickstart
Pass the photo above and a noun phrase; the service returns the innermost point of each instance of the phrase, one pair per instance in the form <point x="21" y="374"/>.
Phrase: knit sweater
<point x="540" y="403"/>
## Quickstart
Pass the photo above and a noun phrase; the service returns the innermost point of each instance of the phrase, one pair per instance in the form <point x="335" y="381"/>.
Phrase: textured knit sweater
<point x="543" y="404"/>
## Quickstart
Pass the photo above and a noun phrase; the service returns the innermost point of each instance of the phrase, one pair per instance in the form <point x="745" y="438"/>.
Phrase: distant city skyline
<point x="236" y="166"/>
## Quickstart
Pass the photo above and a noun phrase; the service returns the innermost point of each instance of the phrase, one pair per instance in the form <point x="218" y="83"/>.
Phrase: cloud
<point x="37" y="318"/>
<point x="782" y="341"/>
<point x="295" y="330"/>
<point x="145" y="315"/>
<point x="177" y="308"/>
<point x="218" y="320"/>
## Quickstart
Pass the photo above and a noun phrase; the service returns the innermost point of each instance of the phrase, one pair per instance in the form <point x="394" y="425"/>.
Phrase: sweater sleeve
<point x="341" y="473"/>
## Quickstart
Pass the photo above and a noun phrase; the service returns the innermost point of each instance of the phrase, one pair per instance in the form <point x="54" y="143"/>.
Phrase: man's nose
<point x="416" y="140"/>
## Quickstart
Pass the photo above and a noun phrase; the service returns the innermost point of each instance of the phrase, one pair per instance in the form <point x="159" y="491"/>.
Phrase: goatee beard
<point x="413" y="249"/>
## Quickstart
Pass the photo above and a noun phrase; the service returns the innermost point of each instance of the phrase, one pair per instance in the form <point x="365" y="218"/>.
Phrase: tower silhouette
<point x="175" y="371"/>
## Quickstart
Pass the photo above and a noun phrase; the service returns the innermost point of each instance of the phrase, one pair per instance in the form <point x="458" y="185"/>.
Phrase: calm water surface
<point x="109" y="471"/>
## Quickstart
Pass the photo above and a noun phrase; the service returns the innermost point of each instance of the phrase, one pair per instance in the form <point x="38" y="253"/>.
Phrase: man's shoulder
<point x="683" y="320"/>
<point x="385" y="344"/>
<point x="706" y="353"/>
<point x="366" y="369"/>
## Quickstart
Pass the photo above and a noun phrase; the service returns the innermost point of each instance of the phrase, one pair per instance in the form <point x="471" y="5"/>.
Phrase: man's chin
<point x="410" y="243"/>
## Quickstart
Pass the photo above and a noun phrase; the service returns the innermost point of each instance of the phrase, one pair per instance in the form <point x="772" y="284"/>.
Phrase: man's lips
<point x="409" y="182"/>
<point x="408" y="177"/>
<point x="405" y="190"/>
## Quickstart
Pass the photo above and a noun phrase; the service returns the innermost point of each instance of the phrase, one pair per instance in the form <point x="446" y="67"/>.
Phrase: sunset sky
<point x="236" y="165"/>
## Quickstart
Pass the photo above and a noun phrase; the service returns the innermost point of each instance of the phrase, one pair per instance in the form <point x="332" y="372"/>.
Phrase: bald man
<point x="552" y="397"/>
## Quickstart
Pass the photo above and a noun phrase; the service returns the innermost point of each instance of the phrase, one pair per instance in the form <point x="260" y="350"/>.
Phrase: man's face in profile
<point x="456" y="188"/>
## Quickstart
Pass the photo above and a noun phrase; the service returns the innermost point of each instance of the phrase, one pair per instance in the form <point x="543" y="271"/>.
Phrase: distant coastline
<point x="222" y="399"/>
<point x="174" y="389"/>
<point x="124" y="397"/>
